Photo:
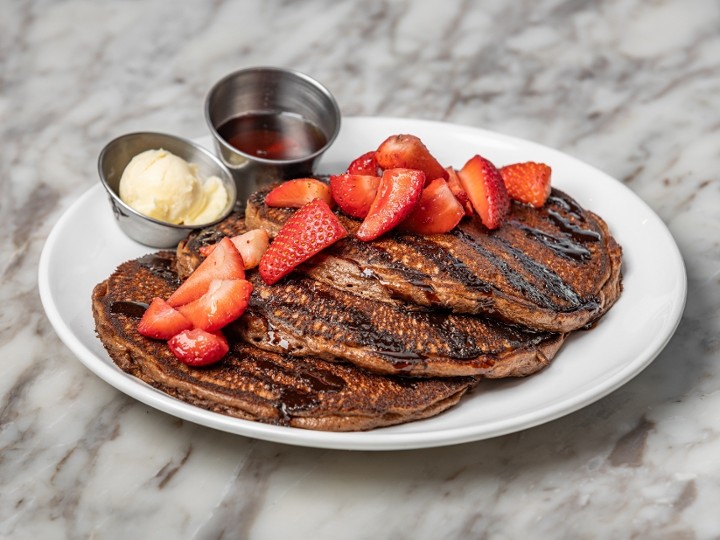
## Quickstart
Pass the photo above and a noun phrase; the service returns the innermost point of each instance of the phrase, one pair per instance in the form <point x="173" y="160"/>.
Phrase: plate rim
<point x="378" y="439"/>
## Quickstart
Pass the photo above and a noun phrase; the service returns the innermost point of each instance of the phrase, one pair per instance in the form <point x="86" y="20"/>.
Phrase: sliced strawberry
<point x="198" y="347"/>
<point x="527" y="182"/>
<point x="225" y="262"/>
<point x="310" y="230"/>
<point x="437" y="212"/>
<point x="409" y="152"/>
<point x="398" y="194"/>
<point x="298" y="192"/>
<point x="354" y="193"/>
<point x="162" y="321"/>
<point x="225" y="301"/>
<point x="485" y="188"/>
<point x="366" y="165"/>
<point x="251" y="246"/>
<point x="457" y="190"/>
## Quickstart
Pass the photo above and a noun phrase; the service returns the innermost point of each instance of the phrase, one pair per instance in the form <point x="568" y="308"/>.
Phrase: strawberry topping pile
<point x="400" y="185"/>
<point x="191" y="319"/>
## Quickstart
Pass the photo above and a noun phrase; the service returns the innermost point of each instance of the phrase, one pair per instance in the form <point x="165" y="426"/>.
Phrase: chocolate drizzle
<point x="561" y="245"/>
<point x="128" y="308"/>
<point x="162" y="264"/>
<point x="207" y="237"/>
<point x="448" y="264"/>
<point x="306" y="391"/>
<point x="577" y="232"/>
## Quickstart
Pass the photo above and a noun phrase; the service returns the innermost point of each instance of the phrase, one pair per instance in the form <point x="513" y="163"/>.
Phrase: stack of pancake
<point x="371" y="334"/>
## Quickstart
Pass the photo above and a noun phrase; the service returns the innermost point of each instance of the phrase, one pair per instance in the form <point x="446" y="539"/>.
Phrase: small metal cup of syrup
<point x="270" y="124"/>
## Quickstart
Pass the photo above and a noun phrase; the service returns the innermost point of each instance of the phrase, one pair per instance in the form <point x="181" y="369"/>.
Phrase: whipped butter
<point x="163" y="186"/>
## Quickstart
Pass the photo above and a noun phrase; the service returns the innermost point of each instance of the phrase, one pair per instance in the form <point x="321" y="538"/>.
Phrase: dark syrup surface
<point x="273" y="136"/>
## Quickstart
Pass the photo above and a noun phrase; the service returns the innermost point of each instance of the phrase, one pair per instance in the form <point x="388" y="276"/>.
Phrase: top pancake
<point x="555" y="268"/>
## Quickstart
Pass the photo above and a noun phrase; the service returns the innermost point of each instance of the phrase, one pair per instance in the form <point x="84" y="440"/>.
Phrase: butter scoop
<point x="163" y="186"/>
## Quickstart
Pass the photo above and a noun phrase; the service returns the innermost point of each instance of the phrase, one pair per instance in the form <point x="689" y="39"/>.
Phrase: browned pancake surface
<point x="304" y="316"/>
<point x="251" y="383"/>
<point x="301" y="316"/>
<point x="556" y="268"/>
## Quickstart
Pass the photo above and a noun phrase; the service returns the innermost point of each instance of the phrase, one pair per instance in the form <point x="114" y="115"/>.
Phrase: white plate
<point x="85" y="246"/>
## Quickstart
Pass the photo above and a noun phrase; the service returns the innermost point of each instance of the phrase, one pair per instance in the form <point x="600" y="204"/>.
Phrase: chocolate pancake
<point x="302" y="316"/>
<point x="251" y="383"/>
<point x="556" y="268"/>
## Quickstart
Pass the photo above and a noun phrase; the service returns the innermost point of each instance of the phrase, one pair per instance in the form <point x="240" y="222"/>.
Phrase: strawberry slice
<point x="225" y="301"/>
<point x="297" y="193"/>
<point x="398" y="194"/>
<point x="437" y="212"/>
<point x="453" y="182"/>
<point x="366" y="165"/>
<point x="198" y="347"/>
<point x="162" y="321"/>
<point x="251" y="246"/>
<point x="310" y="230"/>
<point x="485" y="188"/>
<point x="409" y="152"/>
<point x="225" y="262"/>
<point x="354" y="193"/>
<point x="527" y="182"/>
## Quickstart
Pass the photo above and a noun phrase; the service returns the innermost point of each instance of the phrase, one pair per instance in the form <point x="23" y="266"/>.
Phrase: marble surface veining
<point x="629" y="86"/>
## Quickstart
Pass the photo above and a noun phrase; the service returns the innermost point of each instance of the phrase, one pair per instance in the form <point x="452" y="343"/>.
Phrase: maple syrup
<point x="273" y="136"/>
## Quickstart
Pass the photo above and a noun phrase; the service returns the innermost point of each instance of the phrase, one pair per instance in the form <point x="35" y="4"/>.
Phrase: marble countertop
<point x="630" y="87"/>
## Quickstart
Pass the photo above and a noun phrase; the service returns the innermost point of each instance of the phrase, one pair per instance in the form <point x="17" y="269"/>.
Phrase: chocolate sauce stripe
<point x="460" y="337"/>
<point x="556" y="284"/>
<point x="375" y="255"/>
<point x="514" y="278"/>
<point x="563" y="246"/>
<point x="318" y="381"/>
<point x="448" y="264"/>
<point x="161" y="264"/>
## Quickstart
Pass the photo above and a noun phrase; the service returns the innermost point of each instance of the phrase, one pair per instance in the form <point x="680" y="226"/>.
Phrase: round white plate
<point x="85" y="247"/>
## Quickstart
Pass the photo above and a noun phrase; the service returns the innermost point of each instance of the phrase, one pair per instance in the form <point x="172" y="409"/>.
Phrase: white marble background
<point x="630" y="86"/>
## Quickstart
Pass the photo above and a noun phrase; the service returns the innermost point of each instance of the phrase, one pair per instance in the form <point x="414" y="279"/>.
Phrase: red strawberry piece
<point x="485" y="188"/>
<point x="398" y="194"/>
<point x="527" y="182"/>
<point x="198" y="347"/>
<point x="251" y="246"/>
<point x="310" y="230"/>
<point x="366" y="165"/>
<point x="409" y="152"/>
<point x="297" y="193"/>
<point x="437" y="212"/>
<point x="354" y="193"/>
<point x="225" y="262"/>
<point x="225" y="301"/>
<point x="453" y="182"/>
<point x="162" y="321"/>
